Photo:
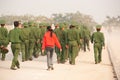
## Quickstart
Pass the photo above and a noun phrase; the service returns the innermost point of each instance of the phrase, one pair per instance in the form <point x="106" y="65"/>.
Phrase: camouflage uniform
<point x="3" y="39"/>
<point x="43" y="30"/>
<point x="37" y="48"/>
<point x="31" y="39"/>
<point x="63" y="44"/>
<point x="66" y="49"/>
<point x="73" y="42"/>
<point x="61" y="36"/>
<point x="57" y="50"/>
<point x="86" y="36"/>
<point x="98" y="40"/>
<point x="14" y="38"/>
<point x="25" y="42"/>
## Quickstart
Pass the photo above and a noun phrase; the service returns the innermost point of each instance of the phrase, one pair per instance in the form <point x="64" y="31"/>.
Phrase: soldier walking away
<point x="3" y="40"/>
<point x="14" y="38"/>
<point x="60" y="33"/>
<point x="37" y="48"/>
<point x="24" y="41"/>
<point x="49" y="42"/>
<point x="31" y="39"/>
<point x="72" y="43"/>
<point x="98" y="40"/>
<point x="57" y="50"/>
<point x="86" y="36"/>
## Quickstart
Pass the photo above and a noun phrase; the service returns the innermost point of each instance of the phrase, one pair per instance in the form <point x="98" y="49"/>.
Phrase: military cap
<point x="2" y="21"/>
<point x="25" y="24"/>
<point x="98" y="26"/>
<point x="30" y="23"/>
<point x="43" y="24"/>
<point x="61" y="27"/>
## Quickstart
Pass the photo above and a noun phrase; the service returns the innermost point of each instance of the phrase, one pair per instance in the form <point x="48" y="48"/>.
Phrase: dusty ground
<point x="85" y="69"/>
<point x="114" y="46"/>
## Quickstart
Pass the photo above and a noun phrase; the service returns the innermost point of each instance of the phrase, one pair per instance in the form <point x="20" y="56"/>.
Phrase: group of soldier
<point x="27" y="38"/>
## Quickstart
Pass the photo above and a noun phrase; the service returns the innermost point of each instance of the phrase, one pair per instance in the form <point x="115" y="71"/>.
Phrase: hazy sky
<point x="98" y="9"/>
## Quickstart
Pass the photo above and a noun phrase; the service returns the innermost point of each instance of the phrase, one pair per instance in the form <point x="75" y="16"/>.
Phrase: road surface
<point x="85" y="69"/>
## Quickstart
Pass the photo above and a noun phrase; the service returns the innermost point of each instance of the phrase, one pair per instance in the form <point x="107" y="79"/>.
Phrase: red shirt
<point x="49" y="41"/>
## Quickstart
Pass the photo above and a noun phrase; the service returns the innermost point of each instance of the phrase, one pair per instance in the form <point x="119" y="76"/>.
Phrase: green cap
<point x="25" y="24"/>
<point x="98" y="26"/>
<point x="30" y="23"/>
<point x="43" y="24"/>
<point x="2" y="21"/>
<point x="61" y="27"/>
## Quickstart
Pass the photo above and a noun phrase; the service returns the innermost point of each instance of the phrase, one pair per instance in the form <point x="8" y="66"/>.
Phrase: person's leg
<point x="32" y="44"/>
<point x="100" y="53"/>
<point x="16" y="50"/>
<point x="48" y="58"/>
<point x="26" y="49"/>
<point x="3" y="56"/>
<point x="96" y="54"/>
<point x="23" y="51"/>
<point x="51" y="58"/>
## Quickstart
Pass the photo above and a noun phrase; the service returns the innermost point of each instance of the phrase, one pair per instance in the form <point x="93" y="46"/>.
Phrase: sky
<point x="97" y="9"/>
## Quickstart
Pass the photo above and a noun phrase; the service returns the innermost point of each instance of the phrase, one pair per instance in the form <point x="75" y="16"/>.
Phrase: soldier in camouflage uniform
<point x="73" y="43"/>
<point x="25" y="41"/>
<point x="66" y="48"/>
<point x="37" y="48"/>
<point x="86" y="36"/>
<point x="57" y="50"/>
<point x="43" y="30"/>
<point x="98" y="40"/>
<point x="3" y="38"/>
<point x="62" y="37"/>
<point x="78" y="30"/>
<point x="63" y="44"/>
<point x="14" y="38"/>
<point x="32" y="39"/>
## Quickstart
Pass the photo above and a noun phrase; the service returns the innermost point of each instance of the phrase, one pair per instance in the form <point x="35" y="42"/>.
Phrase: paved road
<point x="85" y="69"/>
<point x="114" y="49"/>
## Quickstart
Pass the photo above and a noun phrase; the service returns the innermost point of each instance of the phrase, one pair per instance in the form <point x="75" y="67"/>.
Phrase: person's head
<point x="98" y="27"/>
<point x="50" y="29"/>
<point x="17" y="23"/>
<point x="30" y="23"/>
<point x="72" y="26"/>
<point x="61" y="27"/>
<point x="25" y="24"/>
<point x="57" y="26"/>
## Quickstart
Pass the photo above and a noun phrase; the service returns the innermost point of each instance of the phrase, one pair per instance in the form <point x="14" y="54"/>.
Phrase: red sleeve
<point x="57" y="43"/>
<point x="43" y="43"/>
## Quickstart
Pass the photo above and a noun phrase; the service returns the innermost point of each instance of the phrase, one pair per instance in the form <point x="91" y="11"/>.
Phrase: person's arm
<point x="57" y="43"/>
<point x="92" y="38"/>
<point x="103" y="41"/>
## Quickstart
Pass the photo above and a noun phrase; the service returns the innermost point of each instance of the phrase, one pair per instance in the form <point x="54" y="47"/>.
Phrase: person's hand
<point x="60" y="50"/>
<point x="1" y="46"/>
<point x="43" y="51"/>
<point x="103" y="47"/>
<point x="67" y="46"/>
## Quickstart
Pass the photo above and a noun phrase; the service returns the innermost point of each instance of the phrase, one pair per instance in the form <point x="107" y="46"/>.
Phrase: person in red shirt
<point x="49" y="42"/>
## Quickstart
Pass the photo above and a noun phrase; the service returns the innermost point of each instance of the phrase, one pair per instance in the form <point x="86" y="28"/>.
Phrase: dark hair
<point x="98" y="29"/>
<point x="2" y="25"/>
<point x="16" y="23"/>
<point x="71" y="26"/>
<point x="49" y="29"/>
